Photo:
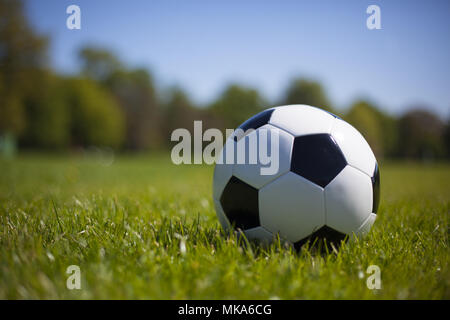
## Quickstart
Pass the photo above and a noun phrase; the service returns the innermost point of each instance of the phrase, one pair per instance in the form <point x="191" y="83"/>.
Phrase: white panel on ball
<point x="222" y="171"/>
<point x="221" y="215"/>
<point x="251" y="173"/>
<point x="292" y="206"/>
<point x="259" y="233"/>
<point x="348" y="200"/>
<point x="355" y="148"/>
<point x="367" y="225"/>
<point x="301" y="119"/>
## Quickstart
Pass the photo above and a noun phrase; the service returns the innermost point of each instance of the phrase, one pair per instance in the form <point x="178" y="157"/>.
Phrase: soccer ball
<point x="326" y="186"/>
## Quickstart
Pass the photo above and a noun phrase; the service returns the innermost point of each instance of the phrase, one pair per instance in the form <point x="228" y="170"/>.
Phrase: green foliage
<point x="119" y="106"/>
<point x="137" y="98"/>
<point x="390" y="135"/>
<point x="378" y="128"/>
<point x="302" y="91"/>
<point x="125" y="224"/>
<point x="98" y="63"/>
<point x="447" y="138"/>
<point x="96" y="119"/>
<point x="237" y="104"/>
<point x="363" y="117"/>
<point x="421" y="134"/>
<point x="22" y="55"/>
<point x="48" y="115"/>
<point x="42" y="109"/>
<point x="12" y="118"/>
<point x="134" y="90"/>
<point x="179" y="112"/>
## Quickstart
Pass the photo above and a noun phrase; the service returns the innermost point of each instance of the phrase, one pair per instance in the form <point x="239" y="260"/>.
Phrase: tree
<point x="363" y="117"/>
<point x="447" y="138"/>
<point x="179" y="112"/>
<point x="95" y="117"/>
<point x="378" y="128"/>
<point x="98" y="63"/>
<point x="421" y="135"/>
<point x="134" y="90"/>
<point x="237" y="104"/>
<point x="47" y="115"/>
<point x="302" y="91"/>
<point x="389" y="126"/>
<point x="22" y="59"/>
<point x="137" y="97"/>
<point x="72" y="111"/>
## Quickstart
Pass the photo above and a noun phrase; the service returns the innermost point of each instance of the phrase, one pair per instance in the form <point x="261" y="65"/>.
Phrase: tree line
<point x="109" y="103"/>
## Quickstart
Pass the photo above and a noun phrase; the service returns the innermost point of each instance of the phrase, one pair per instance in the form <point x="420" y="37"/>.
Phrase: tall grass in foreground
<point x="145" y="228"/>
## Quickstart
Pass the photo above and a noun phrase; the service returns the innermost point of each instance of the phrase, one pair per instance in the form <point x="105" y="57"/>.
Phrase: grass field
<point x="145" y="228"/>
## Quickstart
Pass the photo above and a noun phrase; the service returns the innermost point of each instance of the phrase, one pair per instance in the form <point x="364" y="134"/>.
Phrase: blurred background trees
<point x="47" y="115"/>
<point x="236" y="104"/>
<point x="113" y="105"/>
<point x="422" y="135"/>
<point x="179" y="112"/>
<point x="134" y="91"/>
<point x="447" y="138"/>
<point x="22" y="63"/>
<point x="303" y="91"/>
<point x="377" y="127"/>
<point x="95" y="117"/>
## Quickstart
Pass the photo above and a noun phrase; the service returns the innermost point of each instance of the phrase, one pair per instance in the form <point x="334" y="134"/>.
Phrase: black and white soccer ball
<point x="327" y="184"/>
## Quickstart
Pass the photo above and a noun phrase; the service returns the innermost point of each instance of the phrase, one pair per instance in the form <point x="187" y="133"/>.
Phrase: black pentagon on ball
<point x="318" y="158"/>
<point x="255" y="122"/>
<point x="322" y="237"/>
<point x="376" y="189"/>
<point x="240" y="203"/>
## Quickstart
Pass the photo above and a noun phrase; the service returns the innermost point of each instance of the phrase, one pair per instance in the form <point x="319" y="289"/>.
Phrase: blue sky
<point x="204" y="45"/>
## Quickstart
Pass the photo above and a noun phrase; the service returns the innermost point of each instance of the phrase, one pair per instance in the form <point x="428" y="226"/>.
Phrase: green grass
<point x="124" y="225"/>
